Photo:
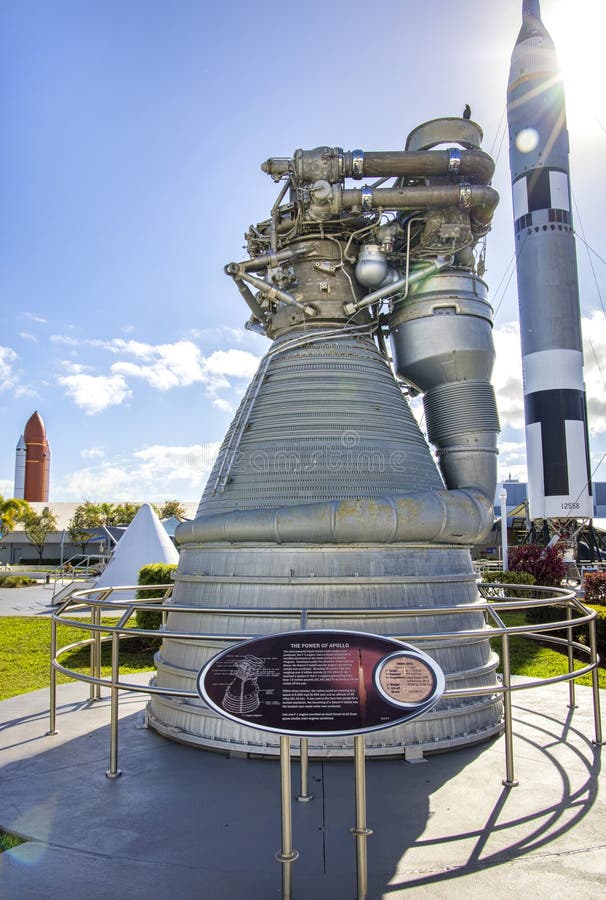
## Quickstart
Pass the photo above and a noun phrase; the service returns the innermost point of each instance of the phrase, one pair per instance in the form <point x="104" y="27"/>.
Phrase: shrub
<point x="545" y="563"/>
<point x="16" y="581"/>
<point x="154" y="573"/>
<point x="509" y="578"/>
<point x="594" y="584"/>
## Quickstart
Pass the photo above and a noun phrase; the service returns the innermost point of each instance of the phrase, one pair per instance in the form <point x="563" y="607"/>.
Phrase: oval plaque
<point x="321" y="682"/>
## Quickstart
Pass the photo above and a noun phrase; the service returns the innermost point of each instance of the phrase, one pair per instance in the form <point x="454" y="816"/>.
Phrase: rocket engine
<point x="324" y="494"/>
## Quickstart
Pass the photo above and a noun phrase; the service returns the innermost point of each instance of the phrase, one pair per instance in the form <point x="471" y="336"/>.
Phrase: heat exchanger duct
<point x="324" y="494"/>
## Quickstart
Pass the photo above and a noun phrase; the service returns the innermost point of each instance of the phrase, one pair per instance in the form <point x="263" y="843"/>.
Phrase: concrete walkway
<point x="185" y="823"/>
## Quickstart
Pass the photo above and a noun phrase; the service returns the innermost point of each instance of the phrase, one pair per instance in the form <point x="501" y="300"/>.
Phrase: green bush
<point x="16" y="581"/>
<point x="154" y="573"/>
<point x="594" y="584"/>
<point x="510" y="578"/>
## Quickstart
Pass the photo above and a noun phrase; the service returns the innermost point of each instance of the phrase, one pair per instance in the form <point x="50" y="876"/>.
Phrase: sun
<point x="578" y="29"/>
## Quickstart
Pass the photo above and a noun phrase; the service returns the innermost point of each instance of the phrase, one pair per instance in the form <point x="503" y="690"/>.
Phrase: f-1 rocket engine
<point x="324" y="495"/>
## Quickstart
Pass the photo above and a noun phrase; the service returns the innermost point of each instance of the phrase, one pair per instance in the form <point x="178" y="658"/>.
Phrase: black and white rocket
<point x="557" y="448"/>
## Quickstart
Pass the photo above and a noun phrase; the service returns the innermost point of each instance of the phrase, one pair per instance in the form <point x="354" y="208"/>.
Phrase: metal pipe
<point x="595" y="683"/>
<point x="509" y="780"/>
<point x="361" y="831"/>
<point x="459" y="517"/>
<point x="98" y="651"/>
<point x="249" y="298"/>
<point x="52" y="719"/>
<point x="304" y="796"/>
<point x="504" y="553"/>
<point x="404" y="283"/>
<point x="481" y="199"/>
<point x="570" y="638"/>
<point x="114" y="771"/>
<point x="257" y="263"/>
<point x="475" y="164"/>
<point x="272" y="292"/>
<point x="93" y="652"/>
<point x="389" y="163"/>
<point x="286" y="855"/>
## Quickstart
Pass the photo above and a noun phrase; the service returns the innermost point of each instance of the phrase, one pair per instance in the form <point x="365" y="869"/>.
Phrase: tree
<point x="86" y="517"/>
<point x="12" y="512"/>
<point x="171" y="508"/>
<point x="545" y="563"/>
<point x="93" y="515"/>
<point x="38" y="526"/>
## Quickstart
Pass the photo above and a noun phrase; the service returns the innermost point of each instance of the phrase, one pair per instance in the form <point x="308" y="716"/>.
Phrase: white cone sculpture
<point x="145" y="541"/>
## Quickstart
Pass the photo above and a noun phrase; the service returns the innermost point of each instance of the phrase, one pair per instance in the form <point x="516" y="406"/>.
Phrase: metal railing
<point x="495" y="602"/>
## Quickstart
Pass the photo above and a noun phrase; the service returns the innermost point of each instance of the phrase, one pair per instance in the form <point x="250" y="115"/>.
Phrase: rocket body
<point x="20" y="456"/>
<point x="37" y="460"/>
<point x="557" y="447"/>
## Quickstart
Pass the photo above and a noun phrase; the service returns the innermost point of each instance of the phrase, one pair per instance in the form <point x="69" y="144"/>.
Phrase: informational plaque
<point x="320" y="682"/>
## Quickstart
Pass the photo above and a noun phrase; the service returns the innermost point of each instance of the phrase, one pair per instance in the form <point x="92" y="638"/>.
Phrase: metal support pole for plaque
<point x="52" y="722"/>
<point x="114" y="771"/>
<point x="360" y="831"/>
<point x="595" y="684"/>
<point x="93" y="654"/>
<point x="287" y="855"/>
<point x="304" y="795"/>
<point x="509" y="780"/>
<point x="570" y="637"/>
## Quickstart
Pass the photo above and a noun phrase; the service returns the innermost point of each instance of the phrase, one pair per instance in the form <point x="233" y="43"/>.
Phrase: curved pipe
<point x="332" y="164"/>
<point x="443" y="517"/>
<point x="473" y="164"/>
<point x="481" y="199"/>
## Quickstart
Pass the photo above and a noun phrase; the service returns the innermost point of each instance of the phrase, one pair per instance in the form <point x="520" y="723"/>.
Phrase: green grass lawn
<point x="25" y="652"/>
<point x="535" y="661"/>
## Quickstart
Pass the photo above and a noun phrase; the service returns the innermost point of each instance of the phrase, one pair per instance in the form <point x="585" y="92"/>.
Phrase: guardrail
<point x="495" y="602"/>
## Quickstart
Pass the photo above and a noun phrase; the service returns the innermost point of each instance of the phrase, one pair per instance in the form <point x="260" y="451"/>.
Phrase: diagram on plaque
<point x="242" y="694"/>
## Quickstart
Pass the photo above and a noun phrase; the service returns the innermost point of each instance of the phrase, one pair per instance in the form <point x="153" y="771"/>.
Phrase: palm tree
<point x="12" y="511"/>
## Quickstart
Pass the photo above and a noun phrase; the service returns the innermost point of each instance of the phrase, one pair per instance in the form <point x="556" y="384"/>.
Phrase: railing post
<point x="571" y="684"/>
<point x="304" y="795"/>
<point x="509" y="780"/>
<point x="98" y="652"/>
<point x="93" y="655"/>
<point x="595" y="684"/>
<point x="52" y="719"/>
<point x="360" y="831"/>
<point x="114" y="771"/>
<point x="287" y="855"/>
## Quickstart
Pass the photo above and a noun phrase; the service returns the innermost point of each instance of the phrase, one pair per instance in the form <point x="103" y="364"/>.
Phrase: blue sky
<point x="133" y="132"/>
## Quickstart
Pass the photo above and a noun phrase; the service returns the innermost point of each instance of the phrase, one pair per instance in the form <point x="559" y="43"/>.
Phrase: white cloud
<point x="74" y="368"/>
<point x="152" y="472"/>
<point x="6" y="488"/>
<point x="94" y="393"/>
<point x="167" y="366"/>
<point x="594" y="346"/>
<point x="92" y="453"/>
<point x="237" y="363"/>
<point x="66" y="339"/>
<point x="34" y="318"/>
<point x="26" y="336"/>
<point x="162" y="366"/>
<point x="507" y="376"/>
<point x="8" y="377"/>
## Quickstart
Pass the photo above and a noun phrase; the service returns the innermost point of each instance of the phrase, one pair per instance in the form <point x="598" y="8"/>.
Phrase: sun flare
<point x="578" y="28"/>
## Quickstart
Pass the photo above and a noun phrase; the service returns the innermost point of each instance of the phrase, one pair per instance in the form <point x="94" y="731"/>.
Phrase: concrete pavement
<point x="185" y="823"/>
